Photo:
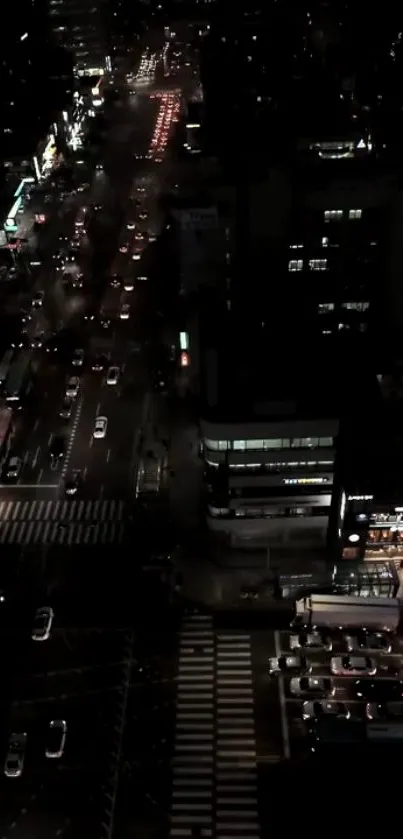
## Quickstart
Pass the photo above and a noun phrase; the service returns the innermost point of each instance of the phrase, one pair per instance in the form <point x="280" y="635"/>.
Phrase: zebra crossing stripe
<point x="68" y="510"/>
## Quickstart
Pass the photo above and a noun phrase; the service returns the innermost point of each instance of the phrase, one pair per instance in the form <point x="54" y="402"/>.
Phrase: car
<point x="13" y="468"/>
<point x="57" y="448"/>
<point x="312" y="686"/>
<point x="130" y="225"/>
<point x="78" y="358"/>
<point x="73" y="483"/>
<point x="372" y="642"/>
<point x="56" y="739"/>
<point x="101" y="424"/>
<point x="77" y="280"/>
<point x="43" y="622"/>
<point x="115" y="281"/>
<point x="288" y="664"/>
<point x="72" y="386"/>
<point x="112" y="376"/>
<point x="106" y="323"/>
<point x="128" y="284"/>
<point x="350" y="665"/>
<point x="14" y="762"/>
<point x="379" y="690"/>
<point x="37" y="339"/>
<point x="384" y="710"/>
<point x="124" y="313"/>
<point x="317" y="708"/>
<point x="66" y="408"/>
<point x="310" y="641"/>
<point x="99" y="363"/>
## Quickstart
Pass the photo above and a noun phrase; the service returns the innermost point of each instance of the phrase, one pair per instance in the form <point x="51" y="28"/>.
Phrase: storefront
<point x="371" y="529"/>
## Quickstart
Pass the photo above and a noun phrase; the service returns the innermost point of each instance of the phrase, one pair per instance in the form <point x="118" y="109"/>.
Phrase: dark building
<point x="299" y="123"/>
<point x="36" y="81"/>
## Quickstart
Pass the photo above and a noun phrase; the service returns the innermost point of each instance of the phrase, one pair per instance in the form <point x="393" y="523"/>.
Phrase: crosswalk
<point x="214" y="790"/>
<point x="69" y="522"/>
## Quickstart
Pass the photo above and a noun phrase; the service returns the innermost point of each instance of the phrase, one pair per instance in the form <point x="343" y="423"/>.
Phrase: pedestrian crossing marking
<point x="76" y="510"/>
<point x="63" y="522"/>
<point x="214" y="735"/>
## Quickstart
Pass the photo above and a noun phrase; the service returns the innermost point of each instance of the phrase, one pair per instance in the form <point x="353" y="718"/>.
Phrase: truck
<point x="333" y="611"/>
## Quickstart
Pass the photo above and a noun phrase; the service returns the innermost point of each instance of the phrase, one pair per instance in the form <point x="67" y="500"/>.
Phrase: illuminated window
<point x="295" y="264"/>
<point x="317" y="264"/>
<point x="360" y="306"/>
<point x="325" y="242"/>
<point x="296" y="247"/>
<point x="354" y="214"/>
<point x="333" y="215"/>
<point x="323" y="308"/>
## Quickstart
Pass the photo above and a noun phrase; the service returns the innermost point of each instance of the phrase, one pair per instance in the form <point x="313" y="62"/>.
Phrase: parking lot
<point x="294" y="729"/>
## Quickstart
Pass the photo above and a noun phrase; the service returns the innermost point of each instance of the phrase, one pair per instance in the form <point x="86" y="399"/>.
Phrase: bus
<point x="5" y="365"/>
<point x="6" y="432"/>
<point x="19" y="377"/>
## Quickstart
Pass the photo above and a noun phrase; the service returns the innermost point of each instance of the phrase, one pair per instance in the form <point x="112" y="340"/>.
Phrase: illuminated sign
<point x="36" y="167"/>
<point x="184" y="359"/>
<point x="40" y="218"/>
<point x="184" y="340"/>
<point x="304" y="481"/>
<point x="22" y="185"/>
<point x="360" y="498"/>
<point x="10" y="222"/>
<point x="24" y="36"/>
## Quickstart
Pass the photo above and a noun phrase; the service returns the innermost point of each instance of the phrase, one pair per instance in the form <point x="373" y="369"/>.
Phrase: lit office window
<point x="354" y="214"/>
<point x="317" y="264"/>
<point x="333" y="215"/>
<point x="323" y="308"/>
<point x="295" y="264"/>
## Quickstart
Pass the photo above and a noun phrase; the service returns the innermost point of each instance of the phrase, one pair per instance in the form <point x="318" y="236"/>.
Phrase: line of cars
<point x="360" y="658"/>
<point x="56" y="731"/>
<point x="168" y="114"/>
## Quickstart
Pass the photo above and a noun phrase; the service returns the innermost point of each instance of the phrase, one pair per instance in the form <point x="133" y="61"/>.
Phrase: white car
<point x="352" y="665"/>
<point x="112" y="376"/>
<point x="311" y="686"/>
<point x="72" y="386"/>
<point x="289" y="663"/>
<point x="125" y="312"/>
<point x="56" y="738"/>
<point x="101" y="424"/>
<point x="313" y="641"/>
<point x="128" y="285"/>
<point x="43" y="622"/>
<point x="14" y="762"/>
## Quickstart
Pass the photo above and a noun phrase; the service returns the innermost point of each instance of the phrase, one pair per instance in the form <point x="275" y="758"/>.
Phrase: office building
<point x="80" y="27"/>
<point x="305" y="183"/>
<point x="269" y="430"/>
<point x="370" y="505"/>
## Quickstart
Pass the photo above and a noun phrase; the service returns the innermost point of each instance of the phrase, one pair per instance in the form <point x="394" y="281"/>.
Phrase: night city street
<point x="201" y="384"/>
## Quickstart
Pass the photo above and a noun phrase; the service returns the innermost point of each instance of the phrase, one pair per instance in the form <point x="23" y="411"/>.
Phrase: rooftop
<point x="256" y="376"/>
